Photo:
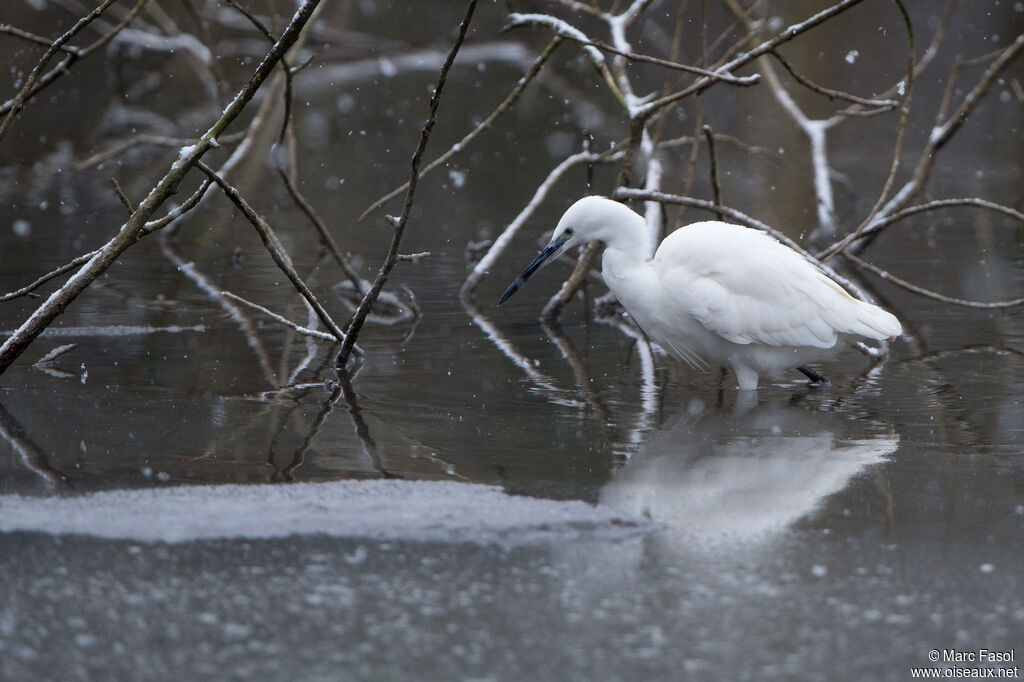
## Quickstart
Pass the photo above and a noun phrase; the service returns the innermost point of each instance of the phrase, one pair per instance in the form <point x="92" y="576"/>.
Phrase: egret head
<point x="588" y="219"/>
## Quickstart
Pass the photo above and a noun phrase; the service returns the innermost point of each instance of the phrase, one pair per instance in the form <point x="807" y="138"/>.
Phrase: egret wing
<point x="748" y="288"/>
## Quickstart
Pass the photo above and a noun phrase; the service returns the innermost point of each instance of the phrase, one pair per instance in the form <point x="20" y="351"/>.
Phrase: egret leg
<point x="745" y="377"/>
<point x="814" y="376"/>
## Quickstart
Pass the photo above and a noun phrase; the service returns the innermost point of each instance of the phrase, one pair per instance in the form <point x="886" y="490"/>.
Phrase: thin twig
<point x="577" y="6"/>
<point x="287" y="177"/>
<point x="67" y="267"/>
<point x="324" y="231"/>
<point x="462" y="144"/>
<point x="392" y="256"/>
<point x="178" y="211"/>
<point x="941" y="134"/>
<point x="745" y="81"/>
<point x="149" y="228"/>
<point x="39" y="40"/>
<point x="716" y="191"/>
<point x="160" y="140"/>
<point x="833" y="94"/>
<point x="285" y="68"/>
<point x="567" y="30"/>
<point x="754" y="149"/>
<point x="746" y="57"/>
<point x="921" y="64"/>
<point x="119" y="191"/>
<point x="904" y="121"/>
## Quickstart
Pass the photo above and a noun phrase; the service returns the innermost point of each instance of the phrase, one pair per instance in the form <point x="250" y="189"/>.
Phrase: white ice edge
<point x="383" y="510"/>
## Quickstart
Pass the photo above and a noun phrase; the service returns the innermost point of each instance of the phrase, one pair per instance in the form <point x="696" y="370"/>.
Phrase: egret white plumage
<point x="716" y="293"/>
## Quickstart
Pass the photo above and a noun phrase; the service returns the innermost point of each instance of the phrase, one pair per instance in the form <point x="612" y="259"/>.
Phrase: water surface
<point x="803" y="533"/>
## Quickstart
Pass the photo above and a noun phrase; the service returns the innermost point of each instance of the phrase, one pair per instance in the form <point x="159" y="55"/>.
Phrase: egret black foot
<point x="815" y="377"/>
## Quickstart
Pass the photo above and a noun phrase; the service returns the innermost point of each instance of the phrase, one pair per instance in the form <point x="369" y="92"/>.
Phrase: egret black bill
<point x="547" y="254"/>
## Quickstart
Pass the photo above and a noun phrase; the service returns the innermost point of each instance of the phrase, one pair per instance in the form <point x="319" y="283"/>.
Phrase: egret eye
<point x="568" y="232"/>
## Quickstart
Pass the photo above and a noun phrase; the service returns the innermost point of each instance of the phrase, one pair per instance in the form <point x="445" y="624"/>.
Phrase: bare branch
<point x="941" y="134"/>
<point x="149" y="228"/>
<point x="276" y="249"/>
<point x="904" y="120"/>
<point x="757" y="150"/>
<point x="567" y="30"/>
<point x="392" y="256"/>
<point x="746" y="57"/>
<point x="927" y="293"/>
<point x="324" y="232"/>
<point x="576" y="280"/>
<point x="55" y="46"/>
<point x="881" y="223"/>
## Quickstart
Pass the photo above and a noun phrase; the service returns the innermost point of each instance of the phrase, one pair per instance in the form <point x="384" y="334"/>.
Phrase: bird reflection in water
<point x="745" y="476"/>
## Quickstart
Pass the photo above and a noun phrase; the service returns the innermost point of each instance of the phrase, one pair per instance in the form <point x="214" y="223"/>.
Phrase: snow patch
<point x="384" y="510"/>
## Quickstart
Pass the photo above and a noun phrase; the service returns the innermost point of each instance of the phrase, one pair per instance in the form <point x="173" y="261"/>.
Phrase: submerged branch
<point x="312" y="333"/>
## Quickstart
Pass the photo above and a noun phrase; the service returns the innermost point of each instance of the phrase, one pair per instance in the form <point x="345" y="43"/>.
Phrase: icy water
<point x="578" y="524"/>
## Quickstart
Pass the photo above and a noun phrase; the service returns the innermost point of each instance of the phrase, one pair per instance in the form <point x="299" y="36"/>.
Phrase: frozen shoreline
<point x="386" y="510"/>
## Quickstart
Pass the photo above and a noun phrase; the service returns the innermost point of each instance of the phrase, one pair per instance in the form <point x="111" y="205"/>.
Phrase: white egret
<point x="716" y="293"/>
